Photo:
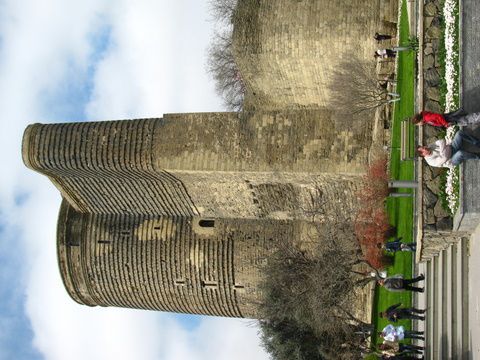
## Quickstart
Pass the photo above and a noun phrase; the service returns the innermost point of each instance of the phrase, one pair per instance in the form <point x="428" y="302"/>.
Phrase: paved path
<point x="474" y="296"/>
<point x="470" y="97"/>
<point x="470" y="58"/>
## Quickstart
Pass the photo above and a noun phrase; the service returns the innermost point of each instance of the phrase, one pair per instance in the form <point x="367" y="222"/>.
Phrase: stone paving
<point x="470" y="78"/>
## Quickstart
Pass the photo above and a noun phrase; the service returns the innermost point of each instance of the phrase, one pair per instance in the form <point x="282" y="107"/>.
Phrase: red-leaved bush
<point x="371" y="224"/>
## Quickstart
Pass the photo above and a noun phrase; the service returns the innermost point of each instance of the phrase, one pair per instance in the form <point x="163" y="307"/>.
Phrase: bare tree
<point x="355" y="87"/>
<point x="222" y="66"/>
<point x="222" y="10"/>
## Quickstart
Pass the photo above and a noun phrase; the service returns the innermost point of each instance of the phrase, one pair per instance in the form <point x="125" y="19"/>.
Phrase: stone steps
<point x="446" y="299"/>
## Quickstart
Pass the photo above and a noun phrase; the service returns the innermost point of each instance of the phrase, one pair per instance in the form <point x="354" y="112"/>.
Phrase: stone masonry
<point x="181" y="213"/>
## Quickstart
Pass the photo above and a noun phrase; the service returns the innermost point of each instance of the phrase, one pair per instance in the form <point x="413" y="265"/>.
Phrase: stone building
<point x="180" y="213"/>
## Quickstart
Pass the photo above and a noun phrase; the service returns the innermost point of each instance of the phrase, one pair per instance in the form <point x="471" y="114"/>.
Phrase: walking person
<point x="385" y="54"/>
<point x="390" y="53"/>
<point x="458" y="117"/>
<point x="442" y="154"/>
<point x="397" y="283"/>
<point x="397" y="245"/>
<point x="398" y="333"/>
<point x="382" y="37"/>
<point x="395" y="313"/>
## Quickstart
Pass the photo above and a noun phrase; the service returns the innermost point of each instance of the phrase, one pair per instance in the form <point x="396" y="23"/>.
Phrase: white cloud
<point x="154" y="64"/>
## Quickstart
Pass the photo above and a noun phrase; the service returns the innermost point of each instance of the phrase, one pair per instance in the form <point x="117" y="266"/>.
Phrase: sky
<point x="79" y="60"/>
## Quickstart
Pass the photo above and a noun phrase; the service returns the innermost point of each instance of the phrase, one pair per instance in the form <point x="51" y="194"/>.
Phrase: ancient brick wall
<point x="313" y="141"/>
<point x="167" y="264"/>
<point x="131" y="234"/>
<point x="286" y="50"/>
<point x="105" y="167"/>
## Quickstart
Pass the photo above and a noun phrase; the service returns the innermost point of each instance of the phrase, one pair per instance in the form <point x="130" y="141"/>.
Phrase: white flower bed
<point x="451" y="79"/>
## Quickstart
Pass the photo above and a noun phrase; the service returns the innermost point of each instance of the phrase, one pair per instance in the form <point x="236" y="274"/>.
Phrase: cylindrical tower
<point x="188" y="265"/>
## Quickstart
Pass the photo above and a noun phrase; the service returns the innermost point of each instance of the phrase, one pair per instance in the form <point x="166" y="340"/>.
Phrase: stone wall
<point x="286" y="50"/>
<point x="194" y="238"/>
<point x="435" y="217"/>
<point x="431" y="62"/>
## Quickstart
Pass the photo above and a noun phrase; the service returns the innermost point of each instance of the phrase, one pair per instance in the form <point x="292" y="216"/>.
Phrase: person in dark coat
<point x="398" y="283"/>
<point x="395" y="313"/>
<point x="382" y="37"/>
<point x="397" y="245"/>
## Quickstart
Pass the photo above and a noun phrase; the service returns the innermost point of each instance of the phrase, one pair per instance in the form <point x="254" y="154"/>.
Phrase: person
<point x="396" y="245"/>
<point x="458" y="117"/>
<point x="401" y="357"/>
<point x="385" y="54"/>
<point x="441" y="154"/>
<point x="398" y="333"/>
<point x="395" y="313"/>
<point x="390" y="53"/>
<point x="398" y="283"/>
<point x="392" y="348"/>
<point x="382" y="37"/>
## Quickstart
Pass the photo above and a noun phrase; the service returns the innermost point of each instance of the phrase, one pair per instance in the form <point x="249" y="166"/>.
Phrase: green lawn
<point x="400" y="210"/>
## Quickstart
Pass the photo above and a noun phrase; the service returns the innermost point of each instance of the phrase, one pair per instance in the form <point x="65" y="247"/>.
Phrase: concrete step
<point x="437" y="307"/>
<point x="429" y="305"/>
<point x="465" y="335"/>
<point x="457" y="301"/>
<point x="446" y="299"/>
<point x="447" y="303"/>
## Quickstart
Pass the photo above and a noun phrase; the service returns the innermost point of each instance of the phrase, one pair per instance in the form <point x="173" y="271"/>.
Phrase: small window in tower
<point x="206" y="223"/>
<point x="209" y="284"/>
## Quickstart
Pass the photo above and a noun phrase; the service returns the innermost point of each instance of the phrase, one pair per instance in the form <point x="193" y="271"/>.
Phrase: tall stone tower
<point x="181" y="213"/>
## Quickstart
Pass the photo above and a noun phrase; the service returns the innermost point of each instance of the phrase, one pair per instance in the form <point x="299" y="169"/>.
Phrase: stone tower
<point x="181" y="213"/>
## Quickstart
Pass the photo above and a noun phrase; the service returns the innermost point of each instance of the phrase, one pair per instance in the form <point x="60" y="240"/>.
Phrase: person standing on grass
<point x="397" y="283"/>
<point x="398" y="333"/>
<point x="396" y="245"/>
<point x="442" y="154"/>
<point x="458" y="117"/>
<point x="395" y="313"/>
<point x="390" y="53"/>
<point x="382" y="37"/>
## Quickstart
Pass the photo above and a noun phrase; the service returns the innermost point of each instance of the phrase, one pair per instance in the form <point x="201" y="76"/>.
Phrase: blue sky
<point x="76" y="60"/>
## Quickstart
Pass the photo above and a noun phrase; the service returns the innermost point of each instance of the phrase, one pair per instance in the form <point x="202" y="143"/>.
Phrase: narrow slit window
<point x="209" y="284"/>
<point x="206" y="223"/>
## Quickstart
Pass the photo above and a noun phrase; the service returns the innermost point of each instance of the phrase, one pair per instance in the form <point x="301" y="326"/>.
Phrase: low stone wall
<point x="435" y="242"/>
<point x="435" y="216"/>
<point x="431" y="59"/>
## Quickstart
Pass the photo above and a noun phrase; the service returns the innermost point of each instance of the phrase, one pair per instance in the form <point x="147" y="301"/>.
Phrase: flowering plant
<point x="450" y="14"/>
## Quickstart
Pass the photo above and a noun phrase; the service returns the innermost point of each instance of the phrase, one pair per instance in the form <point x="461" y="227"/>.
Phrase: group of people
<point x="443" y="153"/>
<point x="392" y="348"/>
<point x="390" y="53"/>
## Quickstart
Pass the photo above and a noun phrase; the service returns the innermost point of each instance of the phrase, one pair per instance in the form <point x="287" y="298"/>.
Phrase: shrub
<point x="371" y="223"/>
<point x="309" y="297"/>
